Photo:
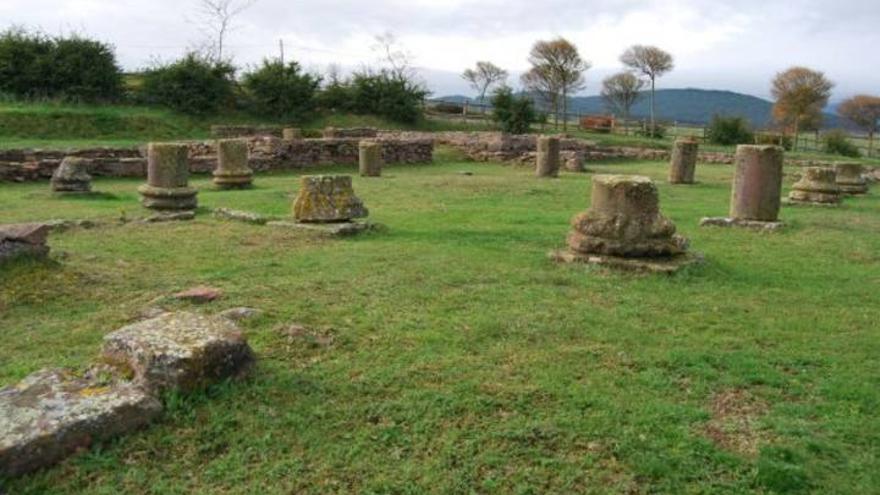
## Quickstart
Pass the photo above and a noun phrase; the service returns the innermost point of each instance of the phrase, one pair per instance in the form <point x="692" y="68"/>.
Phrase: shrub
<point x="279" y="90"/>
<point x="33" y="65"/>
<point x="837" y="142"/>
<point x="336" y="96"/>
<point x="451" y="108"/>
<point x="514" y="114"/>
<point x="386" y="95"/>
<point x="659" y="131"/>
<point x="729" y="131"/>
<point x="775" y="139"/>
<point x="191" y="85"/>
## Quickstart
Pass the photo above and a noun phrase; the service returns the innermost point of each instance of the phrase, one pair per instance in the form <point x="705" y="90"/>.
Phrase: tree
<point x="620" y="92"/>
<point x="863" y="111"/>
<point x="483" y="77"/>
<point x="192" y="85"/>
<point x="800" y="95"/>
<point x="652" y="62"/>
<point x="562" y="68"/>
<point x="217" y="18"/>
<point x="514" y="114"/>
<point x="542" y="85"/>
<point x="392" y="54"/>
<point x="281" y="90"/>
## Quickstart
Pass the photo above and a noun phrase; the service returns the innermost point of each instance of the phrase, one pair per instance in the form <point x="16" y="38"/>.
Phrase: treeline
<point x="78" y="69"/>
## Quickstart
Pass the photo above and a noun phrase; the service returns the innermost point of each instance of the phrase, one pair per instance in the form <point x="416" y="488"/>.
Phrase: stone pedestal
<point x="167" y="178"/>
<point x="817" y="186"/>
<point x="232" y="170"/>
<point x="624" y="228"/>
<point x="684" y="161"/>
<point x="548" y="157"/>
<point x="370" y="158"/>
<point x="756" y="191"/>
<point x="327" y="199"/>
<point x="850" y="180"/>
<point x="72" y="176"/>
<point x="291" y="134"/>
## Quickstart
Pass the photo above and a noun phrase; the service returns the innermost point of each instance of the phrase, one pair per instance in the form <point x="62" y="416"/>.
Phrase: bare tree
<point x="620" y="92"/>
<point x="540" y="83"/>
<point x="863" y="111"/>
<point x="559" y="62"/>
<point x="217" y="20"/>
<point x="652" y="62"/>
<point x="391" y="52"/>
<point x="800" y="95"/>
<point x="483" y="77"/>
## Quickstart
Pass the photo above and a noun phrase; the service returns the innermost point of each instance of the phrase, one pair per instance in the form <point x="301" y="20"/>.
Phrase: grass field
<point x="449" y="355"/>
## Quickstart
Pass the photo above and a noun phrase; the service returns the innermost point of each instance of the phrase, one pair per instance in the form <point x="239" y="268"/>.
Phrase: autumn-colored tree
<point x="863" y="111"/>
<point x="652" y="62"/>
<point x="800" y="95"/>
<point x="620" y="92"/>
<point x="483" y="77"/>
<point x="558" y="69"/>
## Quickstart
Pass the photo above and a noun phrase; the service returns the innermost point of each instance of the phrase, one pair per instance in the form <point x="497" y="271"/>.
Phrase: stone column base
<point x="158" y="198"/>
<point x="746" y="224"/>
<point x="666" y="265"/>
<point x="245" y="181"/>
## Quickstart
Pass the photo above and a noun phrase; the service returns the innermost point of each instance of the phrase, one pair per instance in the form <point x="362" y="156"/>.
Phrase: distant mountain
<point x="686" y="106"/>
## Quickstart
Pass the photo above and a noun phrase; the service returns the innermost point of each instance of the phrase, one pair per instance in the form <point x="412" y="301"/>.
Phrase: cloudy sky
<point x="734" y="44"/>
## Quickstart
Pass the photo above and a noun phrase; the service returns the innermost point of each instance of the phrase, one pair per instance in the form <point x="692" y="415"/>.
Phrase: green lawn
<point x="450" y="356"/>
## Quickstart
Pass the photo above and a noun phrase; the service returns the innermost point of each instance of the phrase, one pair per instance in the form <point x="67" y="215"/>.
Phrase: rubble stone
<point x="327" y="199"/>
<point x="850" y="180"/>
<point x="72" y="176"/>
<point x="23" y="240"/>
<point x="232" y="170"/>
<point x="817" y="186"/>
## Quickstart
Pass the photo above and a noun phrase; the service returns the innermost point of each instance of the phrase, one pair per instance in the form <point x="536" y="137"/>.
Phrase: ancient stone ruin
<point x="327" y="204"/>
<point x="72" y="176"/>
<point x="291" y="134"/>
<point x="817" y="186"/>
<point x="850" y="180"/>
<point x="232" y="170"/>
<point x="53" y="414"/>
<point x="370" y="158"/>
<point x="623" y="228"/>
<point x="683" y="162"/>
<point x="167" y="186"/>
<point x="547" y="157"/>
<point x="23" y="240"/>
<point x="756" y="191"/>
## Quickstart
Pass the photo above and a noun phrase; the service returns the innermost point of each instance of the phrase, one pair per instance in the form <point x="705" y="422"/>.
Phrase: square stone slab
<point x="180" y="351"/>
<point x="646" y="265"/>
<point x="52" y="414"/>
<point x="745" y="224"/>
<point x="331" y="229"/>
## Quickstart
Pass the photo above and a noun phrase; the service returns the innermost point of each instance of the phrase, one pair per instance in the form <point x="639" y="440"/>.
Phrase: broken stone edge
<point x="745" y="224"/>
<point x="666" y="265"/>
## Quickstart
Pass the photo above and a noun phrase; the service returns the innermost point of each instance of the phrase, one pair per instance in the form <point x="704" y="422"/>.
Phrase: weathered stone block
<point x="52" y="414"/>
<point x="757" y="184"/>
<point x="180" y="351"/>
<point x="817" y="186"/>
<point x="547" y="157"/>
<point x="850" y="179"/>
<point x="232" y="170"/>
<point x="327" y="198"/>
<point x="167" y="185"/>
<point x="683" y="162"/>
<point x="291" y="134"/>
<point x="370" y="158"/>
<point x="72" y="176"/>
<point x="23" y="240"/>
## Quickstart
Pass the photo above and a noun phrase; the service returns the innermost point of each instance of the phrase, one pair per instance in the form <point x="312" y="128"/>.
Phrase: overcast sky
<point x="734" y="44"/>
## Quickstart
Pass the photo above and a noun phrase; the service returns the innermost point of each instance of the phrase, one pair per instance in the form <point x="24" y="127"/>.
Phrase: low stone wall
<point x="350" y="132"/>
<point x="237" y="131"/>
<point x="267" y="153"/>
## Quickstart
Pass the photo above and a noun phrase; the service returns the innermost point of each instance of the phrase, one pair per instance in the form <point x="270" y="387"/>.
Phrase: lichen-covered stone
<point x="683" y="162"/>
<point x="241" y="216"/>
<point x="757" y="183"/>
<point x="72" y="176"/>
<point x="624" y="220"/>
<point x="547" y="157"/>
<point x="23" y="240"/>
<point x="52" y="414"/>
<point x="327" y="198"/>
<point x="180" y="351"/>
<point x="232" y="170"/>
<point x="818" y="185"/>
<point x="850" y="179"/>
<point x="370" y="158"/>
<point x="167" y="186"/>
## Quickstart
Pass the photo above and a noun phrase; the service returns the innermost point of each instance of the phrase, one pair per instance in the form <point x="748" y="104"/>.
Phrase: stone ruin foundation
<point x="23" y="240"/>
<point x="327" y="204"/>
<point x="547" y="157"/>
<point x="850" y="180"/>
<point x="623" y="228"/>
<point x="683" y="162"/>
<point x="291" y="134"/>
<point x="756" y="190"/>
<point x="72" y="176"/>
<point x="818" y="186"/>
<point x="167" y="186"/>
<point x="232" y="170"/>
<point x="370" y="158"/>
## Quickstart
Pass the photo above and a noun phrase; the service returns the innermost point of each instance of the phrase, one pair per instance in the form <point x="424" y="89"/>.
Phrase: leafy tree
<point x="386" y="94"/>
<point x="800" y="95"/>
<point x="620" y="92"/>
<point x="837" y="142"/>
<point x="652" y="62"/>
<point x="729" y="131"/>
<point x="559" y="67"/>
<point x="483" y="77"/>
<point x="280" y="90"/>
<point x="514" y="114"/>
<point x="192" y="85"/>
<point x="863" y="111"/>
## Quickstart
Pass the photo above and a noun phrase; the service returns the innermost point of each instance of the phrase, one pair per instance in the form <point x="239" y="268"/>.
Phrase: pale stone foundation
<point x="818" y="187"/>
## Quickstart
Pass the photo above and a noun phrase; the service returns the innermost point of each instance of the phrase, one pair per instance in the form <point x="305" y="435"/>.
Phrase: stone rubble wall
<point x="267" y="153"/>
